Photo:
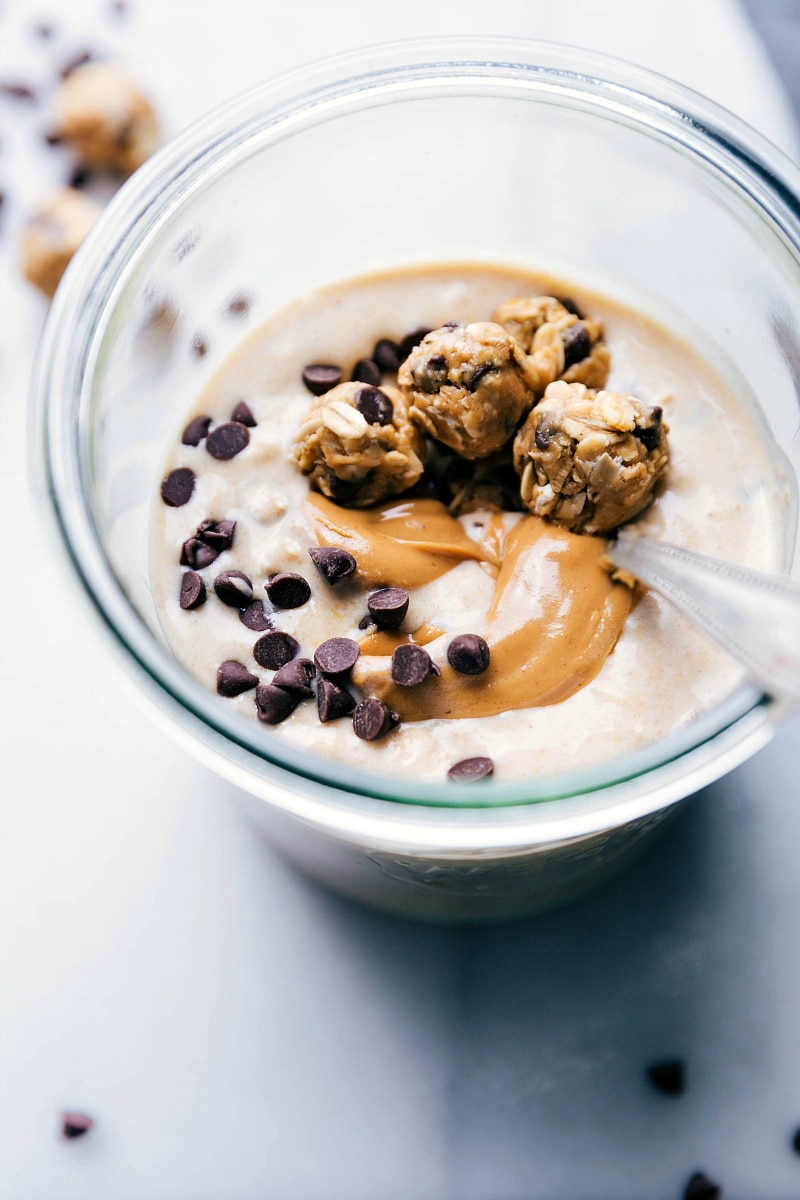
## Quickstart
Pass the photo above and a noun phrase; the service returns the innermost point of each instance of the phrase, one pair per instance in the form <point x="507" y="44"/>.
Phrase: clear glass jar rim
<point x="74" y="330"/>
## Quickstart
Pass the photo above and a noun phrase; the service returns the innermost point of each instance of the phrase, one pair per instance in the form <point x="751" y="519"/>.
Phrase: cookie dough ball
<point x="100" y="112"/>
<point x="589" y="460"/>
<point x="560" y="343"/>
<point x="469" y="386"/>
<point x="359" y="445"/>
<point x="53" y="235"/>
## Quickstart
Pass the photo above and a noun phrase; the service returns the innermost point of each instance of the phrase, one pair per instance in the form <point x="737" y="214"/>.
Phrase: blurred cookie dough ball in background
<point x="589" y="460"/>
<point x="359" y="446"/>
<point x="561" y="343"/>
<point x="100" y="112"/>
<point x="53" y="235"/>
<point x="468" y="386"/>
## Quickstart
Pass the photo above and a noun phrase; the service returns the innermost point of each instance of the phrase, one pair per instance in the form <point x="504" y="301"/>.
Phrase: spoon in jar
<point x="754" y="616"/>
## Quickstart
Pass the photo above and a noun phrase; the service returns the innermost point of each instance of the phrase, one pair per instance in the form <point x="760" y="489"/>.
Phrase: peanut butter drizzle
<point x="405" y="543"/>
<point x="385" y="641"/>
<point x="555" y="617"/>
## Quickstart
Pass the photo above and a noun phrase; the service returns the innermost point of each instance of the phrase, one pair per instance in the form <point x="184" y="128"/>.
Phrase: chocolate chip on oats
<point x="198" y="346"/>
<point x="195" y="431"/>
<point x="226" y="441"/>
<point x="366" y="370"/>
<point x="650" y="434"/>
<point x="366" y="622"/>
<point x="233" y="678"/>
<point x="569" y="304"/>
<point x="375" y="406"/>
<point x="193" y="590"/>
<point x="197" y="553"/>
<point x="218" y="534"/>
<point x="332" y="563"/>
<point x="373" y="719"/>
<point x="468" y="654"/>
<point x="668" y="1077"/>
<point x="254" y="617"/>
<point x="577" y="344"/>
<point x="482" y="371"/>
<point x="177" y="487"/>
<point x="388" y="607"/>
<point x="275" y="649"/>
<point x="244" y="415"/>
<point x="470" y="770"/>
<point x="412" y="665"/>
<point x="75" y="1124"/>
<point x="333" y="701"/>
<point x="336" y="655"/>
<point x="431" y="373"/>
<point x="541" y="437"/>
<point x="287" y="590"/>
<point x="273" y="704"/>
<point x="410" y="342"/>
<point x="296" y="677"/>
<point x="700" y="1187"/>
<point x="386" y="354"/>
<point x="234" y="588"/>
<point x="319" y="378"/>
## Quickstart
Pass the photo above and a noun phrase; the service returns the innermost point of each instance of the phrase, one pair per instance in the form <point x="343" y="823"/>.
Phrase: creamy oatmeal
<point x="400" y="604"/>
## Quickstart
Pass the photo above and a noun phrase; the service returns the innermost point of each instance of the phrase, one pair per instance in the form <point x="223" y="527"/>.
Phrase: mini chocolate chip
<point x="452" y="325"/>
<point x="77" y="60"/>
<point x="177" y="487"/>
<point x="198" y="346"/>
<point x="239" y="305"/>
<point x="577" y="344"/>
<point x="226" y="441"/>
<point x="234" y="588"/>
<point x="275" y="649"/>
<point x="193" y="590"/>
<point x="410" y="342"/>
<point x="233" y="678"/>
<point x="367" y="622"/>
<point x="17" y="91"/>
<point x="569" y="304"/>
<point x="319" y="378"/>
<point x="796" y="1140"/>
<point x="296" y="676"/>
<point x="80" y="177"/>
<point x="386" y="354"/>
<point x="650" y="435"/>
<point x="541" y="437"/>
<point x="333" y="701"/>
<point x="470" y="769"/>
<point x="218" y="534"/>
<point x="668" y="1077"/>
<point x="274" y="704"/>
<point x="52" y="139"/>
<point x="411" y="665"/>
<point x="244" y="415"/>
<point x="344" y="490"/>
<point x="468" y="654"/>
<point x="197" y="553"/>
<point x="388" y="607"/>
<point x="75" y="1124"/>
<point x="332" y="563"/>
<point x="254" y="617"/>
<point x="431" y="374"/>
<point x="195" y="431"/>
<point x="366" y="371"/>
<point x="483" y="370"/>
<point x="288" y="590"/>
<point x="375" y="406"/>
<point x="336" y="655"/>
<point x="373" y="719"/>
<point x="700" y="1187"/>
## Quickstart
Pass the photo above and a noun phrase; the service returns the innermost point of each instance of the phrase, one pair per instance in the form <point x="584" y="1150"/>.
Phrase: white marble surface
<point x="236" y="1032"/>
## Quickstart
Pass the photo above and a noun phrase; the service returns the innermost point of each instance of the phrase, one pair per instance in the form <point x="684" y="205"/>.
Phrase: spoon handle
<point x="754" y="616"/>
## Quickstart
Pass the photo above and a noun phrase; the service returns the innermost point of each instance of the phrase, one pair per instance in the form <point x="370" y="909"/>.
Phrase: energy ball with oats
<point x="469" y="386"/>
<point x="560" y="342"/>
<point x="104" y="117"/>
<point x="53" y="235"/>
<point x="589" y="460"/>
<point x="359" y="446"/>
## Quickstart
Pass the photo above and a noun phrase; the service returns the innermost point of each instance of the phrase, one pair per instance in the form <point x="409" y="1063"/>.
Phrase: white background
<point x="236" y="1032"/>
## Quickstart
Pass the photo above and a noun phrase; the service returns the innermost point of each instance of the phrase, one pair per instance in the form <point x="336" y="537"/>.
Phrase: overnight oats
<point x="382" y="530"/>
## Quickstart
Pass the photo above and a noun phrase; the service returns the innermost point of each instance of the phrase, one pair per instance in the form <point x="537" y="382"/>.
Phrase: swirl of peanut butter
<point x="555" y="617"/>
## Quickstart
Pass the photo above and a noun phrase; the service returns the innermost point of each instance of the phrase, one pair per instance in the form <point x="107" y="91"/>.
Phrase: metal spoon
<point x="754" y="616"/>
